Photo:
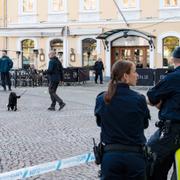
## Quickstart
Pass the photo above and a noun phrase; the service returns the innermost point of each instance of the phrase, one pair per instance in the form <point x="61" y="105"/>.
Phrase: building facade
<point x="143" y="31"/>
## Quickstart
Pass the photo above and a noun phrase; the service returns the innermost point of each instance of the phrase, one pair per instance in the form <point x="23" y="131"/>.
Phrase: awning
<point x="118" y="33"/>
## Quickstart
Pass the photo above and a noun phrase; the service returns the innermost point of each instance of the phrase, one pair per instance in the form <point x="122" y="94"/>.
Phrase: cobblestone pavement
<point x="32" y="135"/>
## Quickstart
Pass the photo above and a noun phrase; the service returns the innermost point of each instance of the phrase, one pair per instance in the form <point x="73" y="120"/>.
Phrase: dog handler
<point x="55" y="75"/>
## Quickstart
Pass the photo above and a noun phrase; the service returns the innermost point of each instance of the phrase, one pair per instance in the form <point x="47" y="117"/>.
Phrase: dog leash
<point x="23" y="92"/>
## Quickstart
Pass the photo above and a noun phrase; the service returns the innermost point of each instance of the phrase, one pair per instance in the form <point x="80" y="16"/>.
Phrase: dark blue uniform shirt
<point x="167" y="90"/>
<point x="123" y="120"/>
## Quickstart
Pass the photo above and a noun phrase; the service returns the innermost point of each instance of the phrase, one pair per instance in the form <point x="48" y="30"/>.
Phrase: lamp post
<point x="41" y="55"/>
<point x="36" y="52"/>
<point x="72" y="55"/>
<point x="88" y="55"/>
<point x="18" y="54"/>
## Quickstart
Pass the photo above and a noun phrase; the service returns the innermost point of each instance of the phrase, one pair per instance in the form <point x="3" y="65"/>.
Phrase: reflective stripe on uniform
<point x="177" y="159"/>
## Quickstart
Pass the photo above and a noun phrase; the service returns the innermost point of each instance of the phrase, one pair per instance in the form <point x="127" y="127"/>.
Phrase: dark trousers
<point x="54" y="97"/>
<point x="164" y="146"/>
<point x="98" y="74"/>
<point x="123" y="166"/>
<point x="6" y="79"/>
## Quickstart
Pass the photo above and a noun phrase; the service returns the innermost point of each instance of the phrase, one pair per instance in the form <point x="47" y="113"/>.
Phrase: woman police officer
<point x="124" y="116"/>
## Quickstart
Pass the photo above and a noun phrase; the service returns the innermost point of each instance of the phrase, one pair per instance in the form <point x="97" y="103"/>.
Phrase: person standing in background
<point x="99" y="67"/>
<point x="55" y="75"/>
<point x="5" y="66"/>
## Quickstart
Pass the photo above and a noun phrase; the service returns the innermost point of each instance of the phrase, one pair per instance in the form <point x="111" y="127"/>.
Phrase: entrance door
<point x="138" y="54"/>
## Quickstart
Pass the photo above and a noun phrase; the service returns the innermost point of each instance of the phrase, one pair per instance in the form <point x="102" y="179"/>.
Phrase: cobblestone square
<point x="33" y="135"/>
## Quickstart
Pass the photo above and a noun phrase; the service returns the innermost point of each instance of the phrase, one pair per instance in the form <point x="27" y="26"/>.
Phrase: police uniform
<point x="166" y="140"/>
<point x="123" y="121"/>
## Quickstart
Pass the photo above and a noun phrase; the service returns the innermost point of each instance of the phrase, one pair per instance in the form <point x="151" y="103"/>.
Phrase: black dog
<point x="13" y="101"/>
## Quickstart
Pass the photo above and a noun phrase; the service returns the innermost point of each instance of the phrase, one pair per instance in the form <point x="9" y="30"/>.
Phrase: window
<point x="89" y="52"/>
<point x="57" y="5"/>
<point x="57" y="11"/>
<point x="170" y="3"/>
<point x="27" y="10"/>
<point x="27" y="55"/>
<point x="169" y="44"/>
<point x="129" y="4"/>
<point x="28" y="6"/>
<point x="90" y="5"/>
<point x="89" y="10"/>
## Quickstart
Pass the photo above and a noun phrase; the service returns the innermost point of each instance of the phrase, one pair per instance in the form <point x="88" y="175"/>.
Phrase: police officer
<point x="124" y="116"/>
<point x="99" y="67"/>
<point x="166" y="140"/>
<point x="55" y="75"/>
<point x="5" y="65"/>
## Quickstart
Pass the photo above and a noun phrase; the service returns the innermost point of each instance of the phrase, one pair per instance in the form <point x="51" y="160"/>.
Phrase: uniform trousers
<point x="123" y="166"/>
<point x="164" y="146"/>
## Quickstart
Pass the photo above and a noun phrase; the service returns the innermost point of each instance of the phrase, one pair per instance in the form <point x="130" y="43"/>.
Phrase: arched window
<point x="169" y="44"/>
<point x="89" y="52"/>
<point x="57" y="46"/>
<point x="27" y="55"/>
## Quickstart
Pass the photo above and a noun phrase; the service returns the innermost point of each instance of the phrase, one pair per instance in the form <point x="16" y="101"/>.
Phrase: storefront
<point x="128" y="44"/>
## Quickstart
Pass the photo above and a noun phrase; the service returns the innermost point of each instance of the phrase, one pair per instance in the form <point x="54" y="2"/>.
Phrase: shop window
<point x="27" y="55"/>
<point x="89" y="52"/>
<point x="169" y="44"/>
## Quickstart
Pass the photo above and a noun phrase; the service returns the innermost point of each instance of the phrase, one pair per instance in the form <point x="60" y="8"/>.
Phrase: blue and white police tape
<point x="47" y="167"/>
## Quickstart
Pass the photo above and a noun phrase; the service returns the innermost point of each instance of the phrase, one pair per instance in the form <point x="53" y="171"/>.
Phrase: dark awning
<point x="118" y="33"/>
<point x="125" y="32"/>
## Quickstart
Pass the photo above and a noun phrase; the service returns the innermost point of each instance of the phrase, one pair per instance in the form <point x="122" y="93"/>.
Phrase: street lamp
<point x="72" y="55"/>
<point x="88" y="55"/>
<point x="41" y="55"/>
<point x="36" y="52"/>
<point x="18" y="54"/>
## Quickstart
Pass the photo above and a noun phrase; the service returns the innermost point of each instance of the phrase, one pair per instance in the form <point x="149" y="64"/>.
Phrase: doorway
<point x="138" y="54"/>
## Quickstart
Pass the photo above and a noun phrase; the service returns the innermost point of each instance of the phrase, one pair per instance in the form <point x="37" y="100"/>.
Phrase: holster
<point x="98" y="152"/>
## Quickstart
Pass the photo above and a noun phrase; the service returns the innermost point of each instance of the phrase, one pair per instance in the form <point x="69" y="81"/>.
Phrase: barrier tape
<point x="177" y="158"/>
<point x="47" y="167"/>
